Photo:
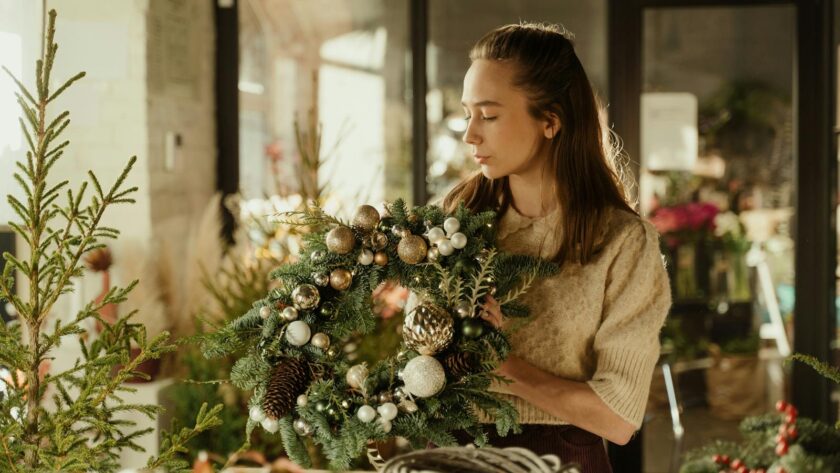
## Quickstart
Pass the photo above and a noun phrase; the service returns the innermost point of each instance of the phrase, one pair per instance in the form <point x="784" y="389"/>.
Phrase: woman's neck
<point x="533" y="196"/>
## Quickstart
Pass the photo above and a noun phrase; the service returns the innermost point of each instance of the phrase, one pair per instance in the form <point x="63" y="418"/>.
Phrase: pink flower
<point x="693" y="216"/>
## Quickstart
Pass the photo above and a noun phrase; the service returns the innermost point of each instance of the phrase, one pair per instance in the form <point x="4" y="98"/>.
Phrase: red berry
<point x="781" y="405"/>
<point x="743" y="469"/>
<point x="781" y="470"/>
<point x="790" y="419"/>
<point x="736" y="463"/>
<point x="782" y="448"/>
<point x="780" y="438"/>
<point x="724" y="459"/>
<point x="791" y="410"/>
<point x="783" y="429"/>
<point x="792" y="433"/>
<point x="716" y="458"/>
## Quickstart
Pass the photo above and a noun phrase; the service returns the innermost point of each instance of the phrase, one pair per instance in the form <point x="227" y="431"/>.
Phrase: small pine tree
<point x="66" y="421"/>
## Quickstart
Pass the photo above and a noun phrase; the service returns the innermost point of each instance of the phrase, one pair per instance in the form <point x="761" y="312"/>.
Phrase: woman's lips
<point x="481" y="159"/>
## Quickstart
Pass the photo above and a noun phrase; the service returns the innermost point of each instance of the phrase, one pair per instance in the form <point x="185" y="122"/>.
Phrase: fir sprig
<point x="80" y="432"/>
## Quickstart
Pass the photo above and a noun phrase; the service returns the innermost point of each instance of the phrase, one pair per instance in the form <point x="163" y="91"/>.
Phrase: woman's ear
<point x="551" y="126"/>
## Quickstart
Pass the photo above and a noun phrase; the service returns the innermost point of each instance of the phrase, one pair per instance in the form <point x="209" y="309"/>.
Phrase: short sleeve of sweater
<point x="636" y="301"/>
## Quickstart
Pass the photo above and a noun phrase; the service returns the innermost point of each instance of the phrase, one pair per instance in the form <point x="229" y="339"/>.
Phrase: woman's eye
<point x="488" y="118"/>
<point x="467" y="119"/>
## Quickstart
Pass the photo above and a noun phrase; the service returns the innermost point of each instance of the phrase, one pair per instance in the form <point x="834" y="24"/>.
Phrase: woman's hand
<point x="491" y="312"/>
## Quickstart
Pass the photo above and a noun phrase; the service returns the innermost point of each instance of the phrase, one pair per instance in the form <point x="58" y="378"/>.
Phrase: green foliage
<point x="816" y="447"/>
<point x="79" y="431"/>
<point x="468" y="275"/>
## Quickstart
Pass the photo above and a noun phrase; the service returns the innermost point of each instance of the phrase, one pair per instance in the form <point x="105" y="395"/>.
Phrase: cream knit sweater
<point x="597" y="323"/>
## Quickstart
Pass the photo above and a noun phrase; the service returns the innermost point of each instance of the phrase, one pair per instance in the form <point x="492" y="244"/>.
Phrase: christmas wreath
<point x="288" y="342"/>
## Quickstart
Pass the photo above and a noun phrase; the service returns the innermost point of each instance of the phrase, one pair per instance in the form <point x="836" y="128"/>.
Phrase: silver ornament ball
<point x="302" y="428"/>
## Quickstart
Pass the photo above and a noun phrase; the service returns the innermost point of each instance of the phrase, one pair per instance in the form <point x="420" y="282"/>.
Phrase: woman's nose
<point x="470" y="136"/>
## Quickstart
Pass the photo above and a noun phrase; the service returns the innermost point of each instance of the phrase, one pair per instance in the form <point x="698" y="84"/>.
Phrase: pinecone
<point x="98" y="259"/>
<point x="460" y="363"/>
<point x="289" y="378"/>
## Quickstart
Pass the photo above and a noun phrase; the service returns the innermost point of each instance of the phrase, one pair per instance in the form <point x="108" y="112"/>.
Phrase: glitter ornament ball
<point x="340" y="240"/>
<point x="366" y="217"/>
<point x="424" y="376"/>
<point x="412" y="249"/>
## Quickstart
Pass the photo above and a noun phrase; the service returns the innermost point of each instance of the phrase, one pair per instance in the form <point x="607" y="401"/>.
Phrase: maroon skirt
<point x="572" y="444"/>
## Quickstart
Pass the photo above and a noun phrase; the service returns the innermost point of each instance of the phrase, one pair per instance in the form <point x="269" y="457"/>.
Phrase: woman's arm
<point x="572" y="401"/>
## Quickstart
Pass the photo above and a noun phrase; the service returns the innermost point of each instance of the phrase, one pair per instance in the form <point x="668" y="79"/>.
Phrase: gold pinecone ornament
<point x="288" y="380"/>
<point x="428" y="329"/>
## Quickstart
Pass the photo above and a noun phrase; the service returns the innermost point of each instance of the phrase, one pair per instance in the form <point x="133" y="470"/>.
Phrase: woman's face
<point x="504" y="138"/>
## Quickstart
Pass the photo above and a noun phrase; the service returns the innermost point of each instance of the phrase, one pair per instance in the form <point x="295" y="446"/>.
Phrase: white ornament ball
<point x="445" y="247"/>
<point x="435" y="234"/>
<point x="256" y="414"/>
<point x="302" y="400"/>
<point x="458" y="240"/>
<point x="424" y="376"/>
<point x="366" y="257"/>
<point x="451" y="225"/>
<point x="265" y="311"/>
<point x="270" y="425"/>
<point x="385" y="424"/>
<point x="388" y="411"/>
<point x="298" y="333"/>
<point x="357" y="375"/>
<point x="366" y="414"/>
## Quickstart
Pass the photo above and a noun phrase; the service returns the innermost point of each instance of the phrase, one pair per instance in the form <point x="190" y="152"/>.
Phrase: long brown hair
<point x="582" y="154"/>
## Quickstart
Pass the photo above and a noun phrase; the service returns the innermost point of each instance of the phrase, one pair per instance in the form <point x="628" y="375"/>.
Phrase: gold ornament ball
<point x="380" y="258"/>
<point x="305" y="296"/>
<point x="340" y="279"/>
<point x="412" y="249"/>
<point x="289" y="314"/>
<point x="321" y="340"/>
<point x="428" y="329"/>
<point x="366" y="217"/>
<point x="341" y="240"/>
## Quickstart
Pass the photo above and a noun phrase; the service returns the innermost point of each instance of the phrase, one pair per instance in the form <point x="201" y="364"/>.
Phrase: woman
<point x="581" y="368"/>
